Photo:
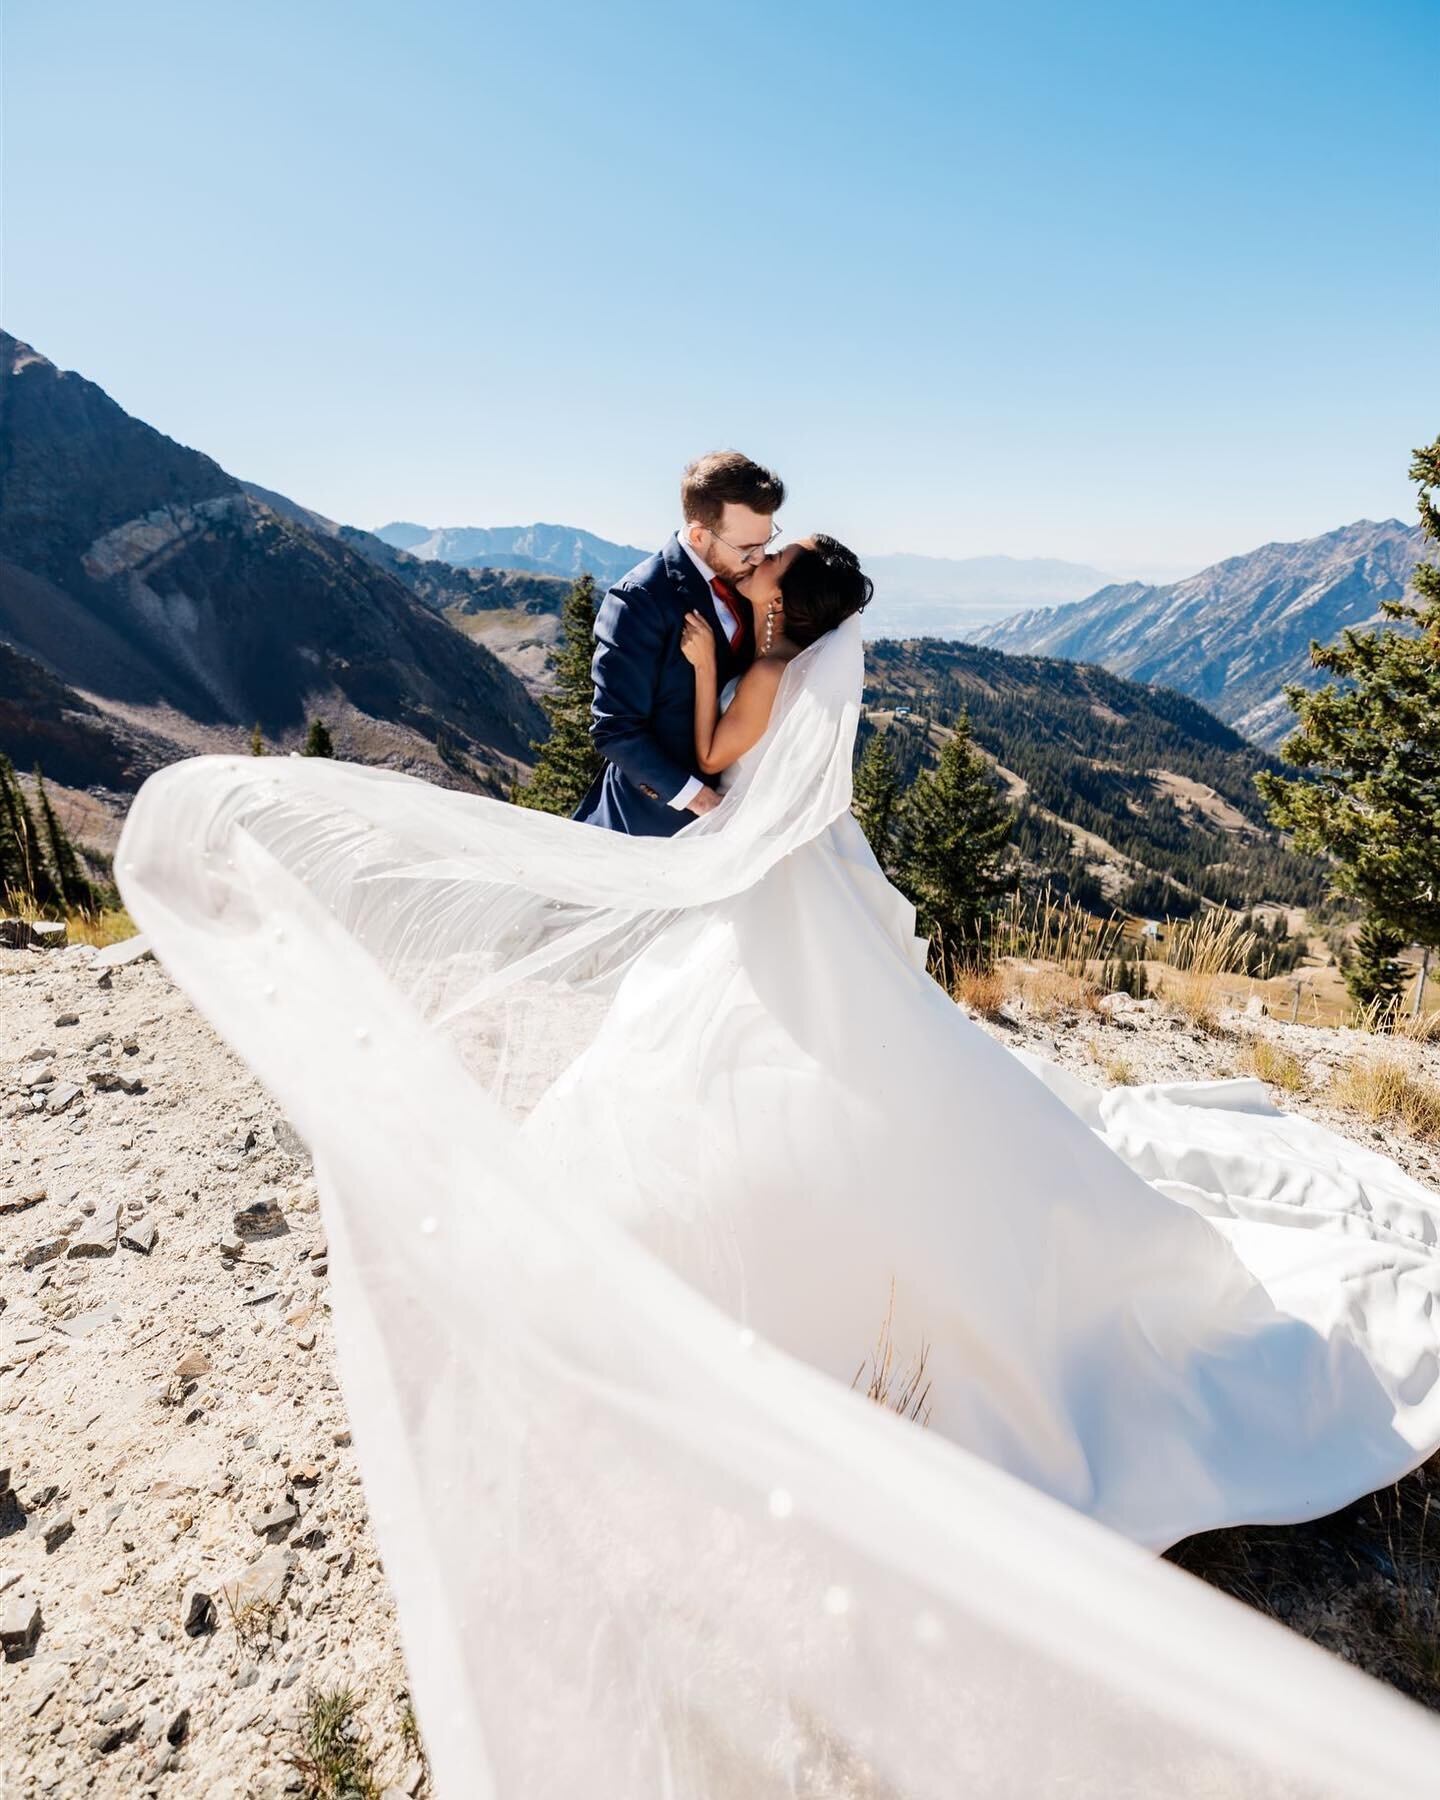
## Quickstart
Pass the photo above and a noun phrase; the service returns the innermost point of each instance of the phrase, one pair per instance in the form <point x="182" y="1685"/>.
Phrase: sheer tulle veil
<point x="636" y="1550"/>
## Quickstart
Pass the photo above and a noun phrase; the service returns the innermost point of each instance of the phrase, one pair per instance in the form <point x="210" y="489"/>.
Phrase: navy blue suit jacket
<point x="643" y="715"/>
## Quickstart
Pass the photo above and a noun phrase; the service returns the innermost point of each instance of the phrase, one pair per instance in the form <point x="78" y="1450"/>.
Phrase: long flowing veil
<point x="635" y="1549"/>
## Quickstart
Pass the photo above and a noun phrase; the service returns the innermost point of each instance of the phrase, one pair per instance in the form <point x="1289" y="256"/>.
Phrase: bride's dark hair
<point x="821" y="588"/>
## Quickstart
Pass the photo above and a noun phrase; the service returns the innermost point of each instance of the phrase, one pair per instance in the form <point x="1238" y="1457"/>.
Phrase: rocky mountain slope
<point x="1234" y="634"/>
<point x="166" y="609"/>
<point x="513" y="612"/>
<point x="1123" y="790"/>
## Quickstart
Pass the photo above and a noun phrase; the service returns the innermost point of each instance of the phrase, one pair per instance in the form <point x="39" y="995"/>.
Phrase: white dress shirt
<point x="729" y="623"/>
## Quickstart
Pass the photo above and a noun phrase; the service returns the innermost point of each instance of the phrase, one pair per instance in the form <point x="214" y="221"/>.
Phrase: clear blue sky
<point x="1129" y="284"/>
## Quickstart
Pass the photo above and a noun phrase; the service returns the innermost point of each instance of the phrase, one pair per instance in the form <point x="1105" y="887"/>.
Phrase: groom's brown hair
<point x="726" y="477"/>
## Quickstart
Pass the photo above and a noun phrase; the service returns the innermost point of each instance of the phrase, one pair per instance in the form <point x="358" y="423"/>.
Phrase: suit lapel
<point x="692" y="593"/>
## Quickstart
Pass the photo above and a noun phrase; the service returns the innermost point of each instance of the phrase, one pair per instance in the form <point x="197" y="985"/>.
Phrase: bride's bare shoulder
<point x="764" y="674"/>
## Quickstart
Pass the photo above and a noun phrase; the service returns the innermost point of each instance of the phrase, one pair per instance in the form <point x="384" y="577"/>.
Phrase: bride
<point x="627" y="1148"/>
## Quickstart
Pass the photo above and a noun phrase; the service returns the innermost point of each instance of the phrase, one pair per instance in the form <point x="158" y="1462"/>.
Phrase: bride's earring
<point x="770" y="627"/>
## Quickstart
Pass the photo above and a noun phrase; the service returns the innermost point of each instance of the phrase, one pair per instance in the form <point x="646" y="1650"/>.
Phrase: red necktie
<point x="722" y="590"/>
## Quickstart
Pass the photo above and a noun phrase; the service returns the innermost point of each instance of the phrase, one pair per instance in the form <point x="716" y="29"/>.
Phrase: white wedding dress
<point x="624" y="1146"/>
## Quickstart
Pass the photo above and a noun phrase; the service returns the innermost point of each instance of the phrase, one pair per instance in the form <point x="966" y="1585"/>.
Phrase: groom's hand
<point x="705" y="801"/>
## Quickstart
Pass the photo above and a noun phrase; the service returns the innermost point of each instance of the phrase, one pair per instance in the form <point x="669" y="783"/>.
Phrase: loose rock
<point x="139" y="1235"/>
<point x="45" y="1251"/>
<point x="275" y="1519"/>
<point x="98" y="1237"/>
<point x="261" y="1219"/>
<point x="56" y="1532"/>
<point x="20" y="1199"/>
<point x="20" y="1622"/>
<point x="262" y="1582"/>
<point x="197" y="1613"/>
<point x="129" y="950"/>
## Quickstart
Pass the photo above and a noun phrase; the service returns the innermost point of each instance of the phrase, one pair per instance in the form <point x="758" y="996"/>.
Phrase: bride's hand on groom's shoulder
<point x="698" y="641"/>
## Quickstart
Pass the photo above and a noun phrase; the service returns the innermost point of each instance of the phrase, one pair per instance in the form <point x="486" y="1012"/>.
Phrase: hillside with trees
<point x="1126" y="795"/>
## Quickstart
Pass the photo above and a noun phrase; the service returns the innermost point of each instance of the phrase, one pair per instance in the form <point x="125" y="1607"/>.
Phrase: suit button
<point x="649" y="792"/>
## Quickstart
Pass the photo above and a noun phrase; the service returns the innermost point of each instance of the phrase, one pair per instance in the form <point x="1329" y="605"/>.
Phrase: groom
<point x="643" y="715"/>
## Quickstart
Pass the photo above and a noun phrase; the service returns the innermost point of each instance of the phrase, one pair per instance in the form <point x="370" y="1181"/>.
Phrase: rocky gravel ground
<point x="184" y="1551"/>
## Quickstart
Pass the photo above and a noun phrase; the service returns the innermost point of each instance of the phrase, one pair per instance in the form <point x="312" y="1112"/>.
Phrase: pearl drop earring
<point x="770" y="626"/>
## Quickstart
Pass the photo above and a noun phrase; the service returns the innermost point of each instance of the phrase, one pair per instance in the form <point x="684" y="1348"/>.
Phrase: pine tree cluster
<point x="942" y="840"/>
<point x="1369" y="743"/>
<point x="40" y="869"/>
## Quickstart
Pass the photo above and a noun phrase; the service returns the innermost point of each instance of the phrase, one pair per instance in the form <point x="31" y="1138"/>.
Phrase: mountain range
<point x="562" y="550"/>
<point x="914" y="595"/>
<point x="152" y="606"/>
<point x="1234" y="634"/>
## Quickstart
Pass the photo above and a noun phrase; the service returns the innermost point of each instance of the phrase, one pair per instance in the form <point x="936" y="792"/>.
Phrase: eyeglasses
<point x="747" y="552"/>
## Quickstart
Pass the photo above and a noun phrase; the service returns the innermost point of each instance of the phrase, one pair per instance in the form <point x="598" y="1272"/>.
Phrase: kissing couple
<point x="690" y="646"/>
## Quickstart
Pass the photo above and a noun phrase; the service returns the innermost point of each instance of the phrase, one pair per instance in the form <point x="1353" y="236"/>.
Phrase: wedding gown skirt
<point x="626" y="1149"/>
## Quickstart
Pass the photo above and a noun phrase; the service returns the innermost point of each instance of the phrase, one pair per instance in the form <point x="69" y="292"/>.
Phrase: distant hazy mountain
<point x="544" y="549"/>
<point x="155" y="607"/>
<point x="938" y="596"/>
<point x="1235" y="633"/>
<point x="444" y="588"/>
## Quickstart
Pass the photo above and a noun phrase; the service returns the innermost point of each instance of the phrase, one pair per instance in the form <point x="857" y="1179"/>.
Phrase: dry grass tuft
<point x="1276" y="1065"/>
<point x="1198" y="952"/>
<point x="107" y="925"/>
<point x="1051" y="930"/>
<point x="1396" y="1019"/>
<point x="1195" y="994"/>
<point x="1049" y="990"/>
<point x="1383" y="1088"/>
<point x="410" y="1731"/>
<point x="907" y="1394"/>
<point x="984" y="991"/>
<point x="110" y="926"/>
<point x="254" y="1621"/>
<point x="1118" y="1071"/>
<point x="1417" y="1028"/>
<point x="335" y="1761"/>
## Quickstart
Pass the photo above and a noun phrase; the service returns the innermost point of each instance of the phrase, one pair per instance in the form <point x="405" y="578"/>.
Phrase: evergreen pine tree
<point x="876" y="797"/>
<point x="12" y="867"/>
<point x="1372" y="974"/>
<point x="953" y="831"/>
<point x="1372" y="738"/>
<point x="25" y="870"/>
<point x="567" y="760"/>
<point x="73" y="888"/>
<point x="257" y="742"/>
<point x="318" y="741"/>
